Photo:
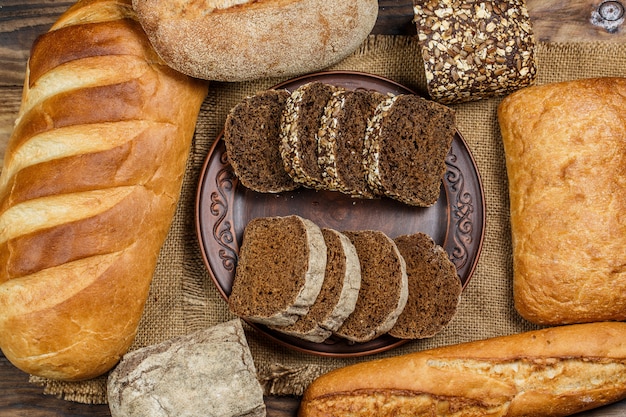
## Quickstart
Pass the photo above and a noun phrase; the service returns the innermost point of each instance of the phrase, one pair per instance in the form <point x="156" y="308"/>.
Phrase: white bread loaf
<point x="550" y="372"/>
<point x="565" y="158"/>
<point x="236" y="40"/>
<point x="90" y="183"/>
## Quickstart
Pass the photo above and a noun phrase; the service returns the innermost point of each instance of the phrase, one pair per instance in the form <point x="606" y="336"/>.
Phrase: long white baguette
<point x="550" y="372"/>
<point x="90" y="182"/>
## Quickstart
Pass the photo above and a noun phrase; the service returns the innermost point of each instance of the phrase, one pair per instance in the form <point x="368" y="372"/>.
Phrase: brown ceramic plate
<point x="224" y="207"/>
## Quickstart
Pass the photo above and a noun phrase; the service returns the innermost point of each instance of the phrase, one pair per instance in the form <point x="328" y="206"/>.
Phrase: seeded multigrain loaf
<point x="475" y="49"/>
<point x="339" y="294"/>
<point x="434" y="288"/>
<point x="406" y="142"/>
<point x="252" y="137"/>
<point x="300" y="124"/>
<point x="280" y="270"/>
<point x="384" y="287"/>
<point x="342" y="139"/>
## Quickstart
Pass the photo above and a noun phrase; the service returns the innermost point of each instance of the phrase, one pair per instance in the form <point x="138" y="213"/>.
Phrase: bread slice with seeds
<point x="300" y="124"/>
<point x="280" y="270"/>
<point x="341" y="152"/>
<point x="384" y="287"/>
<point x="252" y="136"/>
<point x="406" y="143"/>
<point x="434" y="288"/>
<point x="339" y="293"/>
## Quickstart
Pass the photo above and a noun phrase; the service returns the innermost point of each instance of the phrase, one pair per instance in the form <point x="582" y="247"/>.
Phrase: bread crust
<point x="255" y="39"/>
<point x="566" y="158"/>
<point x="89" y="187"/>
<point x="549" y="372"/>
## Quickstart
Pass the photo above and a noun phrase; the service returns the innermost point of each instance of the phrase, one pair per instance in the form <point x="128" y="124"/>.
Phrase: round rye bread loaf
<point x="239" y="40"/>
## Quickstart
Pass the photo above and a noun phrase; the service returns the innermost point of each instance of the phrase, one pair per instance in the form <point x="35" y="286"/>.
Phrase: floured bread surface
<point x="280" y="271"/>
<point x="434" y="288"/>
<point x="252" y="138"/>
<point x="407" y="141"/>
<point x="384" y="287"/>
<point x="238" y="40"/>
<point x="566" y="158"/>
<point x="169" y="378"/>
<point x="339" y="294"/>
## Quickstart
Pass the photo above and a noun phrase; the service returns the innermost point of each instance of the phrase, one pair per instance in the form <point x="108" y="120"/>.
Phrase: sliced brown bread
<point x="407" y="141"/>
<point x="434" y="288"/>
<point x="341" y="153"/>
<point x="252" y="136"/>
<point x="339" y="294"/>
<point x="384" y="287"/>
<point x="300" y="124"/>
<point x="280" y="270"/>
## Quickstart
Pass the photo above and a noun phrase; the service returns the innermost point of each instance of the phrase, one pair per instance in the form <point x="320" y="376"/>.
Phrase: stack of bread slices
<point x="314" y="283"/>
<point x="359" y="142"/>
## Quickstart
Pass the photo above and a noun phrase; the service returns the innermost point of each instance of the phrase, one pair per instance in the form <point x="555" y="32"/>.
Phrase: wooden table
<point x="21" y="21"/>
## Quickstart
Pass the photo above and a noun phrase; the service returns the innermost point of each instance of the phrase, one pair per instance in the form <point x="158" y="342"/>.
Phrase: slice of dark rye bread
<point x="384" y="287"/>
<point x="341" y="140"/>
<point x="337" y="299"/>
<point x="434" y="288"/>
<point x="280" y="271"/>
<point x="407" y="141"/>
<point x="252" y="136"/>
<point x="299" y="127"/>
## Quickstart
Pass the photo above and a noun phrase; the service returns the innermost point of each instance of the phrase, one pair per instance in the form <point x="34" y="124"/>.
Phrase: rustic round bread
<point x="237" y="40"/>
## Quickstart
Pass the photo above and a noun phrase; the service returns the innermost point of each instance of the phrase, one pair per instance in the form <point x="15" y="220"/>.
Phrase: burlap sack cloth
<point x="183" y="298"/>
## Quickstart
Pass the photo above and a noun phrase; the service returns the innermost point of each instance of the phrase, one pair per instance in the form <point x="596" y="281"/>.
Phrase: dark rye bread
<point x="300" y="124"/>
<point x="252" y="136"/>
<point x="341" y="152"/>
<point x="384" y="287"/>
<point x="407" y="141"/>
<point x="434" y="288"/>
<point x="280" y="270"/>
<point x="337" y="299"/>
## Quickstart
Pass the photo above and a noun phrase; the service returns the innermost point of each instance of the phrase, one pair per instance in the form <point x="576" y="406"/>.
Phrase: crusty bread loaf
<point x="280" y="271"/>
<point x="89" y="186"/>
<point x="565" y="156"/>
<point x="236" y="40"/>
<point x="550" y="372"/>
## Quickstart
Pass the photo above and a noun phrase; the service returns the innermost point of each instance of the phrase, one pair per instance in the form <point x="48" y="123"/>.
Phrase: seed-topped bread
<point x="339" y="293"/>
<point x="300" y="125"/>
<point x="341" y="153"/>
<point x="434" y="288"/>
<point x="280" y="270"/>
<point x="407" y="141"/>
<point x="252" y="137"/>
<point x="384" y="287"/>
